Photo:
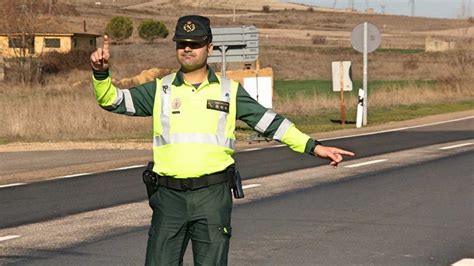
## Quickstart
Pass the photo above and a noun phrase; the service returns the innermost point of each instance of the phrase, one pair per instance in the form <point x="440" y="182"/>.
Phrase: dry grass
<point x="387" y="97"/>
<point x="65" y="108"/>
<point x="62" y="111"/>
<point x="69" y="112"/>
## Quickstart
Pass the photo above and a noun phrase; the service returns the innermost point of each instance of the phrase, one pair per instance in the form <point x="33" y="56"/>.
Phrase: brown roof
<point x="82" y="34"/>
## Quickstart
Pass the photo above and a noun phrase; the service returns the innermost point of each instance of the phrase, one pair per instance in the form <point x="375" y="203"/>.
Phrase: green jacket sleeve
<point x="135" y="101"/>
<point x="271" y="124"/>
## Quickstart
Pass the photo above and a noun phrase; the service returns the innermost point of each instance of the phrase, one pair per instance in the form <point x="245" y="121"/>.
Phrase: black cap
<point x="193" y="28"/>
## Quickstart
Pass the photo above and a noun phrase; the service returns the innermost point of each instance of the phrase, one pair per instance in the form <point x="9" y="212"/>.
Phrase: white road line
<point x="399" y="129"/>
<point x="262" y="148"/>
<point x="251" y="186"/>
<point x="5" y="238"/>
<point x="376" y="132"/>
<point x="274" y="146"/>
<point x="68" y="176"/>
<point x="12" y="185"/>
<point x="128" y="167"/>
<point x="456" y="146"/>
<point x="464" y="262"/>
<point x="252" y="149"/>
<point x="278" y="146"/>
<point x="365" y="163"/>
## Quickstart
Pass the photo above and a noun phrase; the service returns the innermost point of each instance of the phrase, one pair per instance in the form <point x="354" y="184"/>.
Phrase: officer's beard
<point x="190" y="65"/>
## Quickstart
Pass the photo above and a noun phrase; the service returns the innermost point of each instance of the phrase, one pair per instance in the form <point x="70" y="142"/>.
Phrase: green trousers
<point x="202" y="216"/>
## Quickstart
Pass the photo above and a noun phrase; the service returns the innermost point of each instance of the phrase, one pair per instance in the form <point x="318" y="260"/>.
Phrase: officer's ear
<point x="210" y="47"/>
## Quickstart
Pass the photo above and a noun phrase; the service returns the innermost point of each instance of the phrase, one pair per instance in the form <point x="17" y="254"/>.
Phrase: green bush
<point x="119" y="28"/>
<point x="150" y="30"/>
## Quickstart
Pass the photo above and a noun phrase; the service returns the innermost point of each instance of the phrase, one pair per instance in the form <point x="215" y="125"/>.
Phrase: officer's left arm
<point x="275" y="126"/>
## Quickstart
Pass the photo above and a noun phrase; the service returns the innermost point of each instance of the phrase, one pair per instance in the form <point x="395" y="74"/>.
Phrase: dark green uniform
<point x="204" y="214"/>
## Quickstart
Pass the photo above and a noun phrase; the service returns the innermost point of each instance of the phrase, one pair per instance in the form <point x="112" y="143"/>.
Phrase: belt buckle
<point x="186" y="184"/>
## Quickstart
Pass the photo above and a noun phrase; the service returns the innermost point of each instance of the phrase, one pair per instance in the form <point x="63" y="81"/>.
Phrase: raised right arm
<point x="136" y="101"/>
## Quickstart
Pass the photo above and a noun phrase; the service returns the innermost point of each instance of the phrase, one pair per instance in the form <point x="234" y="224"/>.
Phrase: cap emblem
<point x="189" y="26"/>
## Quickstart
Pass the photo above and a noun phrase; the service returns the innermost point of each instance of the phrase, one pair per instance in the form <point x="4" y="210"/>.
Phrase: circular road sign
<point x="373" y="37"/>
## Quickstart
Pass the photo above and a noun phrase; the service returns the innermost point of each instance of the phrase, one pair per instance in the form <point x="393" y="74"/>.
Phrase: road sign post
<point x="364" y="121"/>
<point x="223" y="49"/>
<point x="234" y="44"/>
<point x="365" y="38"/>
<point x="360" y="108"/>
<point x="343" y="105"/>
<point x="342" y="81"/>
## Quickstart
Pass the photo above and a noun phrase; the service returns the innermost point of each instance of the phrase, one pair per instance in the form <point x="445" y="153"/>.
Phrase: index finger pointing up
<point x="106" y="43"/>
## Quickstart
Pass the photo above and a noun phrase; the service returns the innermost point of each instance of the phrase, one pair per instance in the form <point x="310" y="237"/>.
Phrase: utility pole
<point x="468" y="9"/>
<point x="465" y="10"/>
<point x="233" y="17"/>
<point x="412" y="2"/>
<point x="462" y="11"/>
<point x="382" y="6"/>
<point x="50" y="7"/>
<point x="366" y="5"/>
<point x="334" y="4"/>
<point x="351" y="5"/>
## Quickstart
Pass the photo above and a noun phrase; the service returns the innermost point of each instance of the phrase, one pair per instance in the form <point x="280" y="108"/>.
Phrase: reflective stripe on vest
<point x="193" y="138"/>
<point x="218" y="139"/>
<point x="119" y="98"/>
<point x="265" y="121"/>
<point x="128" y="102"/>
<point x="284" y="126"/>
<point x="165" y="106"/>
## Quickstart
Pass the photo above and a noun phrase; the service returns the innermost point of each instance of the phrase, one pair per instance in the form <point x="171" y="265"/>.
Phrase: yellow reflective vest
<point x="193" y="128"/>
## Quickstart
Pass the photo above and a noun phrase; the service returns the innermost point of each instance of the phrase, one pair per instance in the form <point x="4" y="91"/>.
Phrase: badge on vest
<point x="175" y="105"/>
<point x="218" y="105"/>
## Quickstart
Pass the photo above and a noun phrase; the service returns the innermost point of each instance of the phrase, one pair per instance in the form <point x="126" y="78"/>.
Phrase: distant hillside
<point x="220" y="4"/>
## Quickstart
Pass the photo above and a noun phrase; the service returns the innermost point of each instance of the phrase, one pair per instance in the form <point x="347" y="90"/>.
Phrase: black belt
<point x="184" y="184"/>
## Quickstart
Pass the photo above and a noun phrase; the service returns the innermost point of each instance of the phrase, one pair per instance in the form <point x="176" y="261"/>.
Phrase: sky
<point x="423" y="8"/>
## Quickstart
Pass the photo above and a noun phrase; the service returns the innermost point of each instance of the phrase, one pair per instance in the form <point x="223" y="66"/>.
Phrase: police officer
<point x="194" y="114"/>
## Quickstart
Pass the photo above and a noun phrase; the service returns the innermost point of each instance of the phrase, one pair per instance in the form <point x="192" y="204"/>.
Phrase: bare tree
<point x="21" y="20"/>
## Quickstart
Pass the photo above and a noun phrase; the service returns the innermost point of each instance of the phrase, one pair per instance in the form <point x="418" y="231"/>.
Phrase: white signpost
<point x="342" y="81"/>
<point x="365" y="38"/>
<point x="261" y="89"/>
<point x="360" y="108"/>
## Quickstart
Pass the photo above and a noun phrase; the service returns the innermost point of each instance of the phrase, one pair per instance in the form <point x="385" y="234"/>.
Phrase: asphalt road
<point x="51" y="199"/>
<point x="420" y="214"/>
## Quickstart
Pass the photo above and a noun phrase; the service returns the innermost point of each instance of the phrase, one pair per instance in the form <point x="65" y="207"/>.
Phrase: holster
<point x="150" y="179"/>
<point x="235" y="181"/>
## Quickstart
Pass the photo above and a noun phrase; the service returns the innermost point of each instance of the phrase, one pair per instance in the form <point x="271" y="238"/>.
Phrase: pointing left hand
<point x="331" y="153"/>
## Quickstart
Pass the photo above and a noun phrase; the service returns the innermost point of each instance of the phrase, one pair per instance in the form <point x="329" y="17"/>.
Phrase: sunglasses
<point x="192" y="45"/>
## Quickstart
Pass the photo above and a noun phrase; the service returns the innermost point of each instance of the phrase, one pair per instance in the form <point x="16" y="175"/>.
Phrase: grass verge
<point x="69" y="112"/>
<point x="330" y="120"/>
<point x="290" y="88"/>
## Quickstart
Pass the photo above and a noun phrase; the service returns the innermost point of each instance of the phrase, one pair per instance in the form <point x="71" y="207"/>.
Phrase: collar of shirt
<point x="211" y="77"/>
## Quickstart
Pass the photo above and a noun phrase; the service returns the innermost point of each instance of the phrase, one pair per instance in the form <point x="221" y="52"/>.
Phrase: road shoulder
<point x="29" y="162"/>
